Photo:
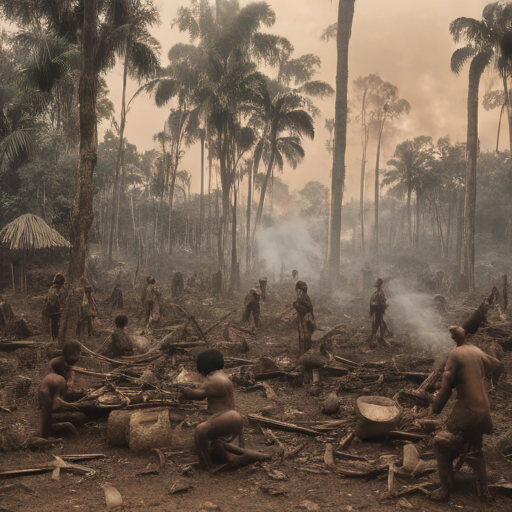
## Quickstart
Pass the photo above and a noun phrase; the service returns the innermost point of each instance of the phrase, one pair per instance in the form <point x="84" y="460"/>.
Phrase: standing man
<point x="252" y="307"/>
<point x="378" y="306"/>
<point x="305" y="317"/>
<point x="54" y="304"/>
<point x="465" y="370"/>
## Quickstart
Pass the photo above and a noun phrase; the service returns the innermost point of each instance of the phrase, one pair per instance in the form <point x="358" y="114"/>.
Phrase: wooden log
<point x="271" y="374"/>
<point x="329" y="457"/>
<point x="11" y="345"/>
<point x="406" y="436"/>
<point x="346" y="362"/>
<point x="280" y="425"/>
<point x="350" y="456"/>
<point x="391" y="479"/>
<point x="346" y="441"/>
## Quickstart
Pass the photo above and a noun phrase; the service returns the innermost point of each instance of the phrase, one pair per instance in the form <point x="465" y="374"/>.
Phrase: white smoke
<point x="414" y="310"/>
<point x="289" y="246"/>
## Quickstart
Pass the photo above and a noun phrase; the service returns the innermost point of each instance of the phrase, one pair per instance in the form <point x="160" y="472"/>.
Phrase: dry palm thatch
<point x="30" y="232"/>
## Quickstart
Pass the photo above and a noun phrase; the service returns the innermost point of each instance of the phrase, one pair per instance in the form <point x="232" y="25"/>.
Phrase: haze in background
<point x="406" y="41"/>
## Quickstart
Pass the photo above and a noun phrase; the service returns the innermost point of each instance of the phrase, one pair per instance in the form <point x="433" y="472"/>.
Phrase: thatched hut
<point x="27" y="234"/>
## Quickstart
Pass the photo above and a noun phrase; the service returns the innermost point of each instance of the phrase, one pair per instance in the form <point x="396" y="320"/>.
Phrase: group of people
<point x="465" y="370"/>
<point x="55" y="301"/>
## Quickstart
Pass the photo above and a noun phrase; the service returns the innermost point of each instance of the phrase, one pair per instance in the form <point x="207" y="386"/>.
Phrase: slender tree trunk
<point x="478" y="64"/>
<point x="409" y="215"/>
<point x="499" y="129"/>
<point x="345" y="18"/>
<point x="259" y="213"/>
<point x="364" y="142"/>
<point x="83" y="213"/>
<point x="201" y="199"/>
<point x="117" y="186"/>
<point x="509" y="112"/>
<point x="234" y="284"/>
<point x="377" y="188"/>
<point x="418" y="220"/>
<point x="252" y="172"/>
<point x="460" y="238"/>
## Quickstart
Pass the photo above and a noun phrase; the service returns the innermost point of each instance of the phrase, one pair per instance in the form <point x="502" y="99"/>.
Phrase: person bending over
<point x="465" y="370"/>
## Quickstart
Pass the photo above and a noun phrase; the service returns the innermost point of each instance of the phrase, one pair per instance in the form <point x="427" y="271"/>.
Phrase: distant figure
<point x="177" y="285"/>
<point x="151" y="297"/>
<point x="54" y="303"/>
<point x="116" y="299"/>
<point x="217" y="283"/>
<point x="252" y="307"/>
<point x="470" y="419"/>
<point x="305" y="317"/>
<point x="56" y="386"/>
<point x="121" y="343"/>
<point x="378" y="306"/>
<point x="295" y="275"/>
<point x="88" y="313"/>
<point x="263" y="288"/>
<point x="367" y="277"/>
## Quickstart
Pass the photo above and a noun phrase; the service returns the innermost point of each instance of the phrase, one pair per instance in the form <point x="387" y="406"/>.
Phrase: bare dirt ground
<point x="300" y="481"/>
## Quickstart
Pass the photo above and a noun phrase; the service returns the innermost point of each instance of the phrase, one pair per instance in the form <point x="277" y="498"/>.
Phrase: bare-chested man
<point x="55" y="387"/>
<point x="225" y="424"/>
<point x="465" y="370"/>
<point x="378" y="306"/>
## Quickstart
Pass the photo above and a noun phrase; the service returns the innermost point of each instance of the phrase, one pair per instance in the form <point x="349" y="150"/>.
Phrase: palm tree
<point x="485" y="39"/>
<point x="140" y="52"/>
<point x="285" y="124"/>
<point x="344" y="30"/>
<point x="411" y="160"/>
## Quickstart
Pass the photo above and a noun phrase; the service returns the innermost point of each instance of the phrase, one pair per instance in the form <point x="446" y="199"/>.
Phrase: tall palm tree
<point x="285" y="124"/>
<point x="344" y="31"/>
<point x="141" y="62"/>
<point x="486" y="40"/>
<point x="411" y="159"/>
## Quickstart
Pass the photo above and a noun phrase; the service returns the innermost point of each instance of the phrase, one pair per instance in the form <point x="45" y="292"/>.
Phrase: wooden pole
<point x="13" y="285"/>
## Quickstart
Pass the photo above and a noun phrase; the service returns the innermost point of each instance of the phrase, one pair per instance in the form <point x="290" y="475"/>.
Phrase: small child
<point x="121" y="342"/>
<point x="225" y="424"/>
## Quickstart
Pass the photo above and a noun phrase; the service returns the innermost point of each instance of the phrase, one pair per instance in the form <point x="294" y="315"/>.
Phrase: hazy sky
<point x="406" y="41"/>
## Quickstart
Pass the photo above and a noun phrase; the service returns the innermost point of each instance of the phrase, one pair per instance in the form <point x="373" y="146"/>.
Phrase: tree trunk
<point x="409" y="215"/>
<point x="345" y="18"/>
<point x="478" y="64"/>
<point x="418" y="221"/>
<point x="252" y="172"/>
<point x="234" y="284"/>
<point x="460" y="238"/>
<point x="364" y="141"/>
<point x="201" y="199"/>
<point x="83" y="214"/>
<point x="509" y="114"/>
<point x="377" y="185"/>
<point x="259" y="213"/>
<point x="117" y="187"/>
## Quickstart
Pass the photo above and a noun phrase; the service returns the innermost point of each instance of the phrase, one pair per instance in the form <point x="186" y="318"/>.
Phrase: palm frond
<point x="315" y="88"/>
<point x="18" y="143"/>
<point x="331" y="32"/>
<point x="460" y="57"/>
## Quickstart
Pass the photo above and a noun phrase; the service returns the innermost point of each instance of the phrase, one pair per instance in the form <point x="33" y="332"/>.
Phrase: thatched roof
<point x="30" y="232"/>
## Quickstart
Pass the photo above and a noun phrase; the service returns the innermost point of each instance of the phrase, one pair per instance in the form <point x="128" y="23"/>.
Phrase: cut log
<point x="280" y="425"/>
<point x="11" y="345"/>
<point x="329" y="456"/>
<point x="411" y="458"/>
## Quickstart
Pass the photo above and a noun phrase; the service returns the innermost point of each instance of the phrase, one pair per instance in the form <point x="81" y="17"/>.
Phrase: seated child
<point x="225" y="424"/>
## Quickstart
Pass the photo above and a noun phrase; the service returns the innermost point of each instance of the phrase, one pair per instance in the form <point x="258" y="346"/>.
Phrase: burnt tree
<point x="83" y="208"/>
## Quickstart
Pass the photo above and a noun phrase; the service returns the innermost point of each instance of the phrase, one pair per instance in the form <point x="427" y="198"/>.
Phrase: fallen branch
<point x="11" y="345"/>
<point x="59" y="464"/>
<point x="280" y="425"/>
<point x="193" y="320"/>
<point x="220" y="321"/>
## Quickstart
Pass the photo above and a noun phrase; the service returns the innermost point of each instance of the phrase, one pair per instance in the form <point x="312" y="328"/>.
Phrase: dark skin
<point x="465" y="370"/>
<point x="53" y="389"/>
<point x="223" y="426"/>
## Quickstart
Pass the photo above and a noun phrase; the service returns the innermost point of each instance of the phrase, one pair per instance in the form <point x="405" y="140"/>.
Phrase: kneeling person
<point x="55" y="387"/>
<point x="225" y="424"/>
